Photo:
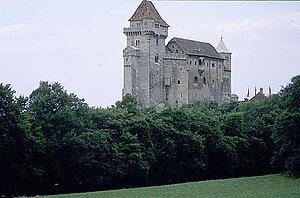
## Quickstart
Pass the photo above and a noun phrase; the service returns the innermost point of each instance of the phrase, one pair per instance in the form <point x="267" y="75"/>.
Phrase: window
<point x="207" y="64"/>
<point x="195" y="79"/>
<point x="137" y="42"/>
<point x="178" y="82"/>
<point x="156" y="58"/>
<point x="213" y="65"/>
<point x="190" y="62"/>
<point x="173" y="46"/>
<point x="181" y="95"/>
<point x="176" y="51"/>
<point x="200" y="62"/>
<point x="195" y="62"/>
<point x="138" y="24"/>
<point x="157" y="42"/>
<point x="204" y="81"/>
<point x="126" y="60"/>
<point x="156" y="25"/>
<point x="180" y="68"/>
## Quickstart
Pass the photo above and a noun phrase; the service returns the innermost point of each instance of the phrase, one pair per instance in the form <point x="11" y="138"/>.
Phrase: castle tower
<point x="143" y="56"/>
<point x="226" y="54"/>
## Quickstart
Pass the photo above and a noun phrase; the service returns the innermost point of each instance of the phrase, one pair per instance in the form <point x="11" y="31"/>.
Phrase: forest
<point x="52" y="142"/>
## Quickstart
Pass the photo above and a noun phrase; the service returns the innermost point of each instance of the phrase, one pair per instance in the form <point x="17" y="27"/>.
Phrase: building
<point x="180" y="72"/>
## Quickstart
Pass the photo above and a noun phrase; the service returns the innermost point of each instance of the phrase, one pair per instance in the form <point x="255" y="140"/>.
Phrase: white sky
<point x="80" y="43"/>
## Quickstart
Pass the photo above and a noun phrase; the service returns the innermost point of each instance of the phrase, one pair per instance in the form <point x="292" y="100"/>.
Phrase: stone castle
<point x="178" y="73"/>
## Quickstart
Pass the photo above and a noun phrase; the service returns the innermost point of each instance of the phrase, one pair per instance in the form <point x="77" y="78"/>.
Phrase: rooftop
<point x="146" y="10"/>
<point x="196" y="47"/>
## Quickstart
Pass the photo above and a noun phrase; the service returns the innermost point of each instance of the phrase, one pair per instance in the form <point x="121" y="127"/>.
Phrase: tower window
<point x="204" y="81"/>
<point x="180" y="68"/>
<point x="178" y="82"/>
<point x="195" y="79"/>
<point x="156" y="58"/>
<point x="137" y="42"/>
<point x="181" y="95"/>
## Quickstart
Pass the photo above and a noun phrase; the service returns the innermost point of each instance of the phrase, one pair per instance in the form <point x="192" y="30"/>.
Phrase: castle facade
<point x="178" y="73"/>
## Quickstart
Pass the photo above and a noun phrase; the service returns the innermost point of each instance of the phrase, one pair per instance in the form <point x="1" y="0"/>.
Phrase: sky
<point x="79" y="43"/>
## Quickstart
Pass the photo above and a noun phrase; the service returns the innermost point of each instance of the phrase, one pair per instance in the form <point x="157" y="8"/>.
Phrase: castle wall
<point x="175" y="80"/>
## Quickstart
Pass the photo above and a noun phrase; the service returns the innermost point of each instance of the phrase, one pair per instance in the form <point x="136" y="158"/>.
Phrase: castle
<point x="178" y="73"/>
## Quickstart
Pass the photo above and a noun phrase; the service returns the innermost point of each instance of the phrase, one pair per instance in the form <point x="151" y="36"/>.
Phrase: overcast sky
<point x="80" y="43"/>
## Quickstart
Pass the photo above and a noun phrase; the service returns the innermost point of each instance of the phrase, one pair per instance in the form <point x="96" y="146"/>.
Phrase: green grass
<point x="275" y="186"/>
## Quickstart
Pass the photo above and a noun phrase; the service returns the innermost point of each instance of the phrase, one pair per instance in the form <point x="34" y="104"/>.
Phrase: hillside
<point x="259" y="186"/>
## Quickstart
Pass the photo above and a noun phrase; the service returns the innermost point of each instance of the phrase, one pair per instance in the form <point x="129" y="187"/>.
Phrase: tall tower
<point x="226" y="54"/>
<point x="143" y="56"/>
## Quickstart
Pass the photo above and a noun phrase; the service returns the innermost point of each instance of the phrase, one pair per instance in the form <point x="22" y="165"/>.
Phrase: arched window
<point x="178" y="82"/>
<point x="204" y="81"/>
<point x="195" y="79"/>
<point x="156" y="58"/>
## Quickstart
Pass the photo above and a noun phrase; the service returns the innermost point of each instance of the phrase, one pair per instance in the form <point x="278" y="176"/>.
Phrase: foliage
<point x="52" y="142"/>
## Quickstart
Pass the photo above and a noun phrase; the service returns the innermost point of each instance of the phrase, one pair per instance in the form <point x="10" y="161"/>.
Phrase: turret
<point x="226" y="54"/>
<point x="143" y="56"/>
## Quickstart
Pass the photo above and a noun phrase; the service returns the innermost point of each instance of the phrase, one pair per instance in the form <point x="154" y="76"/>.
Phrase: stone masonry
<point x="181" y="72"/>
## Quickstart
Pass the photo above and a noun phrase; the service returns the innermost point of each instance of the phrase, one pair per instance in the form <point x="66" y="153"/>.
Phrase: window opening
<point x="195" y="79"/>
<point x="156" y="58"/>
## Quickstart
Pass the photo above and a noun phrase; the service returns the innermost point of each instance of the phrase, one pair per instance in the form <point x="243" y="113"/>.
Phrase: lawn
<point x="275" y="186"/>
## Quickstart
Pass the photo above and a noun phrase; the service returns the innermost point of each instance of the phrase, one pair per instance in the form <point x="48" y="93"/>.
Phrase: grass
<point x="275" y="186"/>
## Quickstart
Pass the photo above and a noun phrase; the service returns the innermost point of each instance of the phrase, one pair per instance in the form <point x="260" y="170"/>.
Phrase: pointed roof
<point x="222" y="47"/>
<point x="196" y="47"/>
<point x="146" y="10"/>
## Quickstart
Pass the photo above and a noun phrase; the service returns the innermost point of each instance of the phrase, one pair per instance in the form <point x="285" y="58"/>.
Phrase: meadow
<point x="259" y="186"/>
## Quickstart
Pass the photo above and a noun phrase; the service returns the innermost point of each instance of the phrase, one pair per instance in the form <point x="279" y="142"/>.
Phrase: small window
<point x="190" y="62"/>
<point x="126" y="60"/>
<point x="195" y="79"/>
<point x="195" y="62"/>
<point x="204" y="81"/>
<point x="157" y="72"/>
<point x="173" y="46"/>
<point x="156" y="58"/>
<point x="207" y="64"/>
<point x="145" y="23"/>
<point x="180" y="68"/>
<point x="176" y="51"/>
<point x="213" y="65"/>
<point x="157" y="42"/>
<point x="219" y="66"/>
<point x="156" y="25"/>
<point x="137" y="42"/>
<point x="178" y="82"/>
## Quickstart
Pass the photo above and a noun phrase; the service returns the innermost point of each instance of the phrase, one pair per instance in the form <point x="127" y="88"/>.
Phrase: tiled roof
<point x="196" y="47"/>
<point x="146" y="10"/>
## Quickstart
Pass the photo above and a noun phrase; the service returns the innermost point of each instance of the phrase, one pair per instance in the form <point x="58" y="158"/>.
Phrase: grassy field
<point x="275" y="186"/>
